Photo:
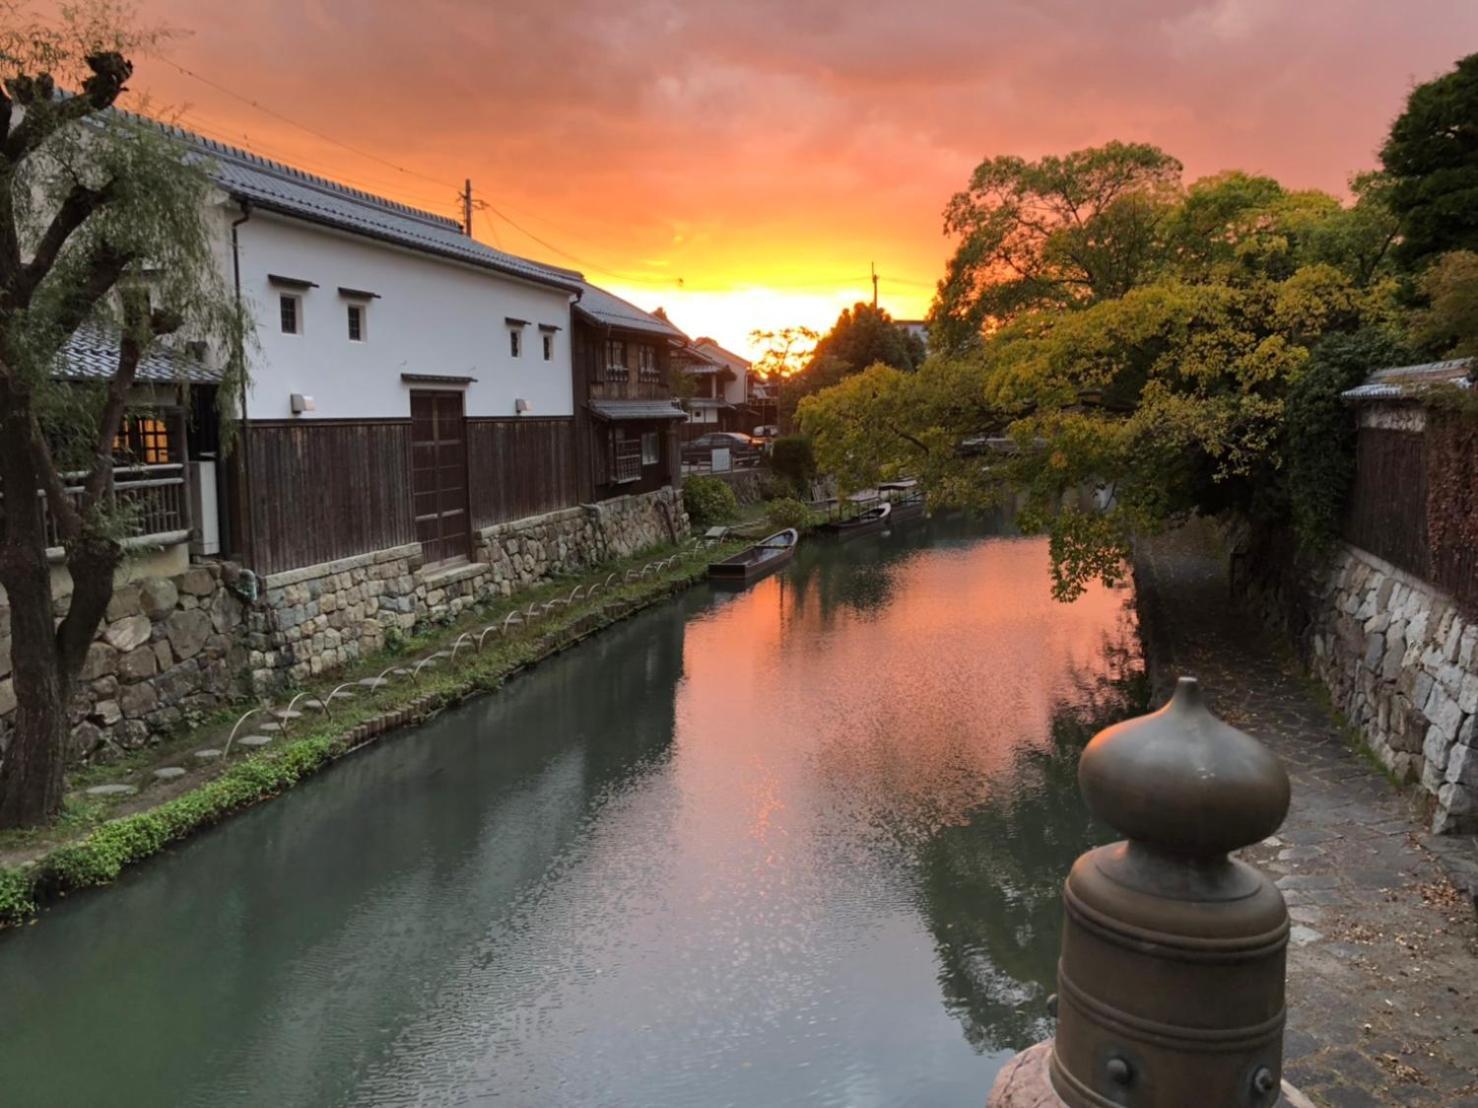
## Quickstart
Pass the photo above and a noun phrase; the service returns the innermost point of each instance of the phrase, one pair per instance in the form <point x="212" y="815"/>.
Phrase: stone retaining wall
<point x="1400" y="660"/>
<point x="172" y="650"/>
<point x="168" y="654"/>
<point x="315" y="619"/>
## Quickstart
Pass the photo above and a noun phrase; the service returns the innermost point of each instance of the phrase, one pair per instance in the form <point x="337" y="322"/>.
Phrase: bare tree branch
<point x="80" y="203"/>
<point x="109" y="72"/>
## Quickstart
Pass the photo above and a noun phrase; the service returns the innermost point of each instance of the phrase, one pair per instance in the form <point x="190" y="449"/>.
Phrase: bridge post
<point x="1170" y="983"/>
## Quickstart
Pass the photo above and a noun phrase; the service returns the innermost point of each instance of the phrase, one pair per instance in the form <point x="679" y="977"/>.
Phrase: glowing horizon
<point x="693" y="159"/>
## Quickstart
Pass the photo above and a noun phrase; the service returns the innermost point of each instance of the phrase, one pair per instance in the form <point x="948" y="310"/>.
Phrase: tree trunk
<point x="31" y="775"/>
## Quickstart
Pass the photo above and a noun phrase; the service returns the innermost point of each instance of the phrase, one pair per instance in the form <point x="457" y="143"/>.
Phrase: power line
<point x="302" y="126"/>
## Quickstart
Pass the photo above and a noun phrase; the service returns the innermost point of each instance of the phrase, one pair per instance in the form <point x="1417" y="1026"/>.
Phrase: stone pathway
<point x="1383" y="963"/>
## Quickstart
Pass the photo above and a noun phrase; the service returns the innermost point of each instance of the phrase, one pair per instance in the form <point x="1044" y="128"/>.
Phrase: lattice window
<point x="143" y="440"/>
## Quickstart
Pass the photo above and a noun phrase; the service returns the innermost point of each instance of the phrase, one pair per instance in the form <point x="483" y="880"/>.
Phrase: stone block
<point x="1467" y="696"/>
<point x="1462" y="766"/>
<point x="128" y="632"/>
<point x="138" y="700"/>
<point x="187" y="633"/>
<point x="101" y="661"/>
<point x="125" y="603"/>
<point x="107" y="712"/>
<point x="1375" y="651"/>
<point x="196" y="581"/>
<point x="163" y="655"/>
<point x="138" y="664"/>
<point x="158" y="597"/>
<point x="1444" y="713"/>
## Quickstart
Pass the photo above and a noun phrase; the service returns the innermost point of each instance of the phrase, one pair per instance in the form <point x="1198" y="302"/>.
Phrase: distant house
<point x="721" y="396"/>
<point x="627" y="421"/>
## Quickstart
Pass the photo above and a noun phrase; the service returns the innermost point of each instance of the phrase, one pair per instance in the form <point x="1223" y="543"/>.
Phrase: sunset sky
<point x="742" y="163"/>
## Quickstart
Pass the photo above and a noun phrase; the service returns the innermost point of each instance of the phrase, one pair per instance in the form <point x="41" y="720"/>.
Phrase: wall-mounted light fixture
<point x="301" y="403"/>
<point x="520" y="406"/>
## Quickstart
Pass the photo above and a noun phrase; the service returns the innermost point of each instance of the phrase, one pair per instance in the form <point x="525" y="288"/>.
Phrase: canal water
<point x="796" y="845"/>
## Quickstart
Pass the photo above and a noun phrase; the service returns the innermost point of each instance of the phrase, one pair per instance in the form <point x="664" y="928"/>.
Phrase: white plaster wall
<point x="432" y="317"/>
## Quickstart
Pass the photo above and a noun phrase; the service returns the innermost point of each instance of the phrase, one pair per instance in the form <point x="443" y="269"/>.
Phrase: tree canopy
<point x="1432" y="159"/>
<point x="1164" y="385"/>
<point x="1056" y="232"/>
<point x="105" y="223"/>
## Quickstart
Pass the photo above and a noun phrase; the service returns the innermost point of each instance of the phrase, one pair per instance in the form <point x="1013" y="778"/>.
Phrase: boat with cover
<point x="763" y="557"/>
<point x="866" y="522"/>
<point x="906" y="497"/>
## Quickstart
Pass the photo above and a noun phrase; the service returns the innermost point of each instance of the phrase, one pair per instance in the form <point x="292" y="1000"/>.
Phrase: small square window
<point x="515" y="343"/>
<point x="549" y="348"/>
<point x="291" y="308"/>
<point x="356" y="322"/>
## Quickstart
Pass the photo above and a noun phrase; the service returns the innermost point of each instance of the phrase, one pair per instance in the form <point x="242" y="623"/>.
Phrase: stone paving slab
<point x="1383" y="961"/>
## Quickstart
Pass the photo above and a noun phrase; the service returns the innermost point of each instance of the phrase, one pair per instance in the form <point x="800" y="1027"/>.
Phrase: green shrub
<point x="709" y="501"/>
<point x="16" y="903"/>
<point x="788" y="512"/>
<point x="792" y="460"/>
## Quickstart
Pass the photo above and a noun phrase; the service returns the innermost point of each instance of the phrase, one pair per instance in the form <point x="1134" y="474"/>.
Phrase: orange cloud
<point x="742" y="164"/>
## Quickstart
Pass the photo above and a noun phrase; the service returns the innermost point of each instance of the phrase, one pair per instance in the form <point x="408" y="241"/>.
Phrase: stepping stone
<point x="273" y="727"/>
<point x="112" y="790"/>
<point x="168" y="773"/>
<point x="286" y="713"/>
<point x="346" y="694"/>
<point x="254" y="740"/>
<point x="372" y="682"/>
<point x="208" y="755"/>
<point x="439" y="654"/>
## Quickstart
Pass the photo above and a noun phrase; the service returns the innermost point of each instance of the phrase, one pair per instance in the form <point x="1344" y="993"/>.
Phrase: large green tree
<point x="103" y="223"/>
<point x="1059" y="231"/>
<point x="1167" y="395"/>
<point x="863" y="335"/>
<point x="1432" y="159"/>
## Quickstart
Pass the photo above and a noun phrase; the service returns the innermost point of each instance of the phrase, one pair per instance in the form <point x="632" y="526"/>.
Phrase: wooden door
<point x="439" y="475"/>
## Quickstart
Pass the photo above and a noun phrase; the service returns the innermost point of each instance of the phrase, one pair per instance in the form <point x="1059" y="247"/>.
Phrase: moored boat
<point x="765" y="556"/>
<point x="866" y="522"/>
<point x="906" y="497"/>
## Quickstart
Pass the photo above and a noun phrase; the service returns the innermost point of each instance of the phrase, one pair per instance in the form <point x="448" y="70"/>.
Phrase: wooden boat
<point x="763" y="557"/>
<point x="906" y="497"/>
<point x="867" y="522"/>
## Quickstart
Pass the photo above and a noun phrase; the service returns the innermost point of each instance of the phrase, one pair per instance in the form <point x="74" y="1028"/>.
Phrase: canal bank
<point x="1381" y="987"/>
<point x="799" y="844"/>
<point x="97" y="838"/>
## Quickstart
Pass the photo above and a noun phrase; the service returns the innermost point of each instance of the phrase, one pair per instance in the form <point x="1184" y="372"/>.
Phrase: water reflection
<point x="768" y="848"/>
<point x="991" y="887"/>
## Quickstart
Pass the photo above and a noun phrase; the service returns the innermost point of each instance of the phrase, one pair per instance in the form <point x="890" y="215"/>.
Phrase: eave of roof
<point x="1408" y="382"/>
<point x="636" y="409"/>
<point x="91" y="354"/>
<point x="608" y="310"/>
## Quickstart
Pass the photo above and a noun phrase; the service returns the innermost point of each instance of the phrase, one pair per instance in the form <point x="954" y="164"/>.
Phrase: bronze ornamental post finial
<point x="1171" y="979"/>
<point x="1170" y="984"/>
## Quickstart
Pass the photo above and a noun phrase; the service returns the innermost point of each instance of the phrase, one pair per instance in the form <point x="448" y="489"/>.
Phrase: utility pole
<point x="874" y="285"/>
<point x="467" y="208"/>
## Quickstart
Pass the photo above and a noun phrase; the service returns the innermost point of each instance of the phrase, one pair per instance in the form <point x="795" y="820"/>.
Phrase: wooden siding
<point x="325" y="490"/>
<point x="1388" y="505"/>
<point x="520" y="467"/>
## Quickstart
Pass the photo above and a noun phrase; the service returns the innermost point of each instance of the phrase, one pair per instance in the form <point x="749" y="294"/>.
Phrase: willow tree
<point x="105" y="222"/>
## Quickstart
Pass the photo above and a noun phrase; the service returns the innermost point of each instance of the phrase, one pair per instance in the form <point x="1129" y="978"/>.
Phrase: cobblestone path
<point x="1383" y="963"/>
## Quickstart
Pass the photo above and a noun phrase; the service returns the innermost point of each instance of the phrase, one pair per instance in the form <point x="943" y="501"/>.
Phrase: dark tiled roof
<point x="91" y="354"/>
<point x="637" y="409"/>
<point x="610" y="310"/>
<point x="1407" y="380"/>
<point x="280" y="188"/>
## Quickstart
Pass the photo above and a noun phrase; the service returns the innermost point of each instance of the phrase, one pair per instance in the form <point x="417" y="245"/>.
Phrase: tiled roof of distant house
<point x="728" y="357"/>
<point x="91" y="354"/>
<point x="610" y="310"/>
<point x="1400" y="382"/>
